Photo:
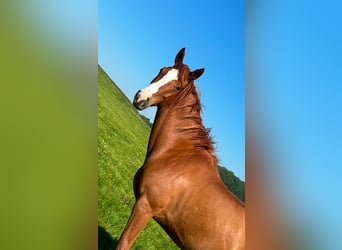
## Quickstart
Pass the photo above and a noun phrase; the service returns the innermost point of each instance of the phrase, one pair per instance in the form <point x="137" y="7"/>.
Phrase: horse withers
<point x="179" y="185"/>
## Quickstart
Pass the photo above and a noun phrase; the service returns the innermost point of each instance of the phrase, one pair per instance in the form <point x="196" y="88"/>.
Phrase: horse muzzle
<point x="139" y="102"/>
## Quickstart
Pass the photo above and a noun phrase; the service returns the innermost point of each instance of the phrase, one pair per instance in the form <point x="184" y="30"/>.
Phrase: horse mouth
<point x="140" y="104"/>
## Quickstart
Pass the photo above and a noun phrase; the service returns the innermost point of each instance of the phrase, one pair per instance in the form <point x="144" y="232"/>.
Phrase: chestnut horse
<point x="179" y="185"/>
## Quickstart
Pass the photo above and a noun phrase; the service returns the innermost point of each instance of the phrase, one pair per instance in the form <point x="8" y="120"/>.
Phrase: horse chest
<point x="160" y="185"/>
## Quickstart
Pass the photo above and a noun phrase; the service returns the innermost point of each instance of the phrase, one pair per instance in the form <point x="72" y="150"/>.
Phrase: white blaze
<point x="154" y="87"/>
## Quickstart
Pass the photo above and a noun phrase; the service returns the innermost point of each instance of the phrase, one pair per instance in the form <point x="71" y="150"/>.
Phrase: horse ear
<point x="193" y="75"/>
<point x="180" y="56"/>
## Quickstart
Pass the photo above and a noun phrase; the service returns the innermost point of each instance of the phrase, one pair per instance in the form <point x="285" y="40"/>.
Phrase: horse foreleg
<point x="140" y="215"/>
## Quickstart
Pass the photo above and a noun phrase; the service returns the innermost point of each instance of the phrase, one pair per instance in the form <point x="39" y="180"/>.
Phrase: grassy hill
<point x="232" y="182"/>
<point x="122" y="139"/>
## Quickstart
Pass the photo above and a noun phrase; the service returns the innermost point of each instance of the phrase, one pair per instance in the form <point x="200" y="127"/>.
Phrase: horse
<point x="179" y="185"/>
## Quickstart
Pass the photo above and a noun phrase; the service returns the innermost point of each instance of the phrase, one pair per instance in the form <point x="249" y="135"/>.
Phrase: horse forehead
<point x="154" y="87"/>
<point x="169" y="76"/>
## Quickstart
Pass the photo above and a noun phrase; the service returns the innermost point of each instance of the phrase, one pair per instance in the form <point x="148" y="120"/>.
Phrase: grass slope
<point x="122" y="140"/>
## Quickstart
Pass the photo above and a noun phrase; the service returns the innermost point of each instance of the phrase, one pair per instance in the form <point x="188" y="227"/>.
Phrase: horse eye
<point x="178" y="88"/>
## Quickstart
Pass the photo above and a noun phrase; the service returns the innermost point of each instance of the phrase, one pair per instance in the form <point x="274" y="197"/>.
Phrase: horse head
<point x="167" y="84"/>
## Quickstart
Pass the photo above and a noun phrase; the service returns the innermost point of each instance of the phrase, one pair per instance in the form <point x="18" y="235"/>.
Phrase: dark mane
<point x="189" y="106"/>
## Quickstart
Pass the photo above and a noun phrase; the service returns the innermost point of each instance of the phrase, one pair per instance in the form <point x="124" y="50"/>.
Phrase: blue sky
<point x="136" y="39"/>
<point x="296" y="56"/>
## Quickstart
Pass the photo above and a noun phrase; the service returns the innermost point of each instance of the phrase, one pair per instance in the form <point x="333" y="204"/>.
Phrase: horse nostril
<point x="147" y="99"/>
<point x="137" y="95"/>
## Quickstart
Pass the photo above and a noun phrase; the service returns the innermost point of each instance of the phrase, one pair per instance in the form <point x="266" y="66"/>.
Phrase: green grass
<point x="122" y="141"/>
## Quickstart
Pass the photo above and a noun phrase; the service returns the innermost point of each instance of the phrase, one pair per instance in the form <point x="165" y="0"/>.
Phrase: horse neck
<point x="159" y="120"/>
<point x="178" y="123"/>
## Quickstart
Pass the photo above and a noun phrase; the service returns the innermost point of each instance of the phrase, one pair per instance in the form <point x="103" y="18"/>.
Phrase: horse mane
<point x="189" y="106"/>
